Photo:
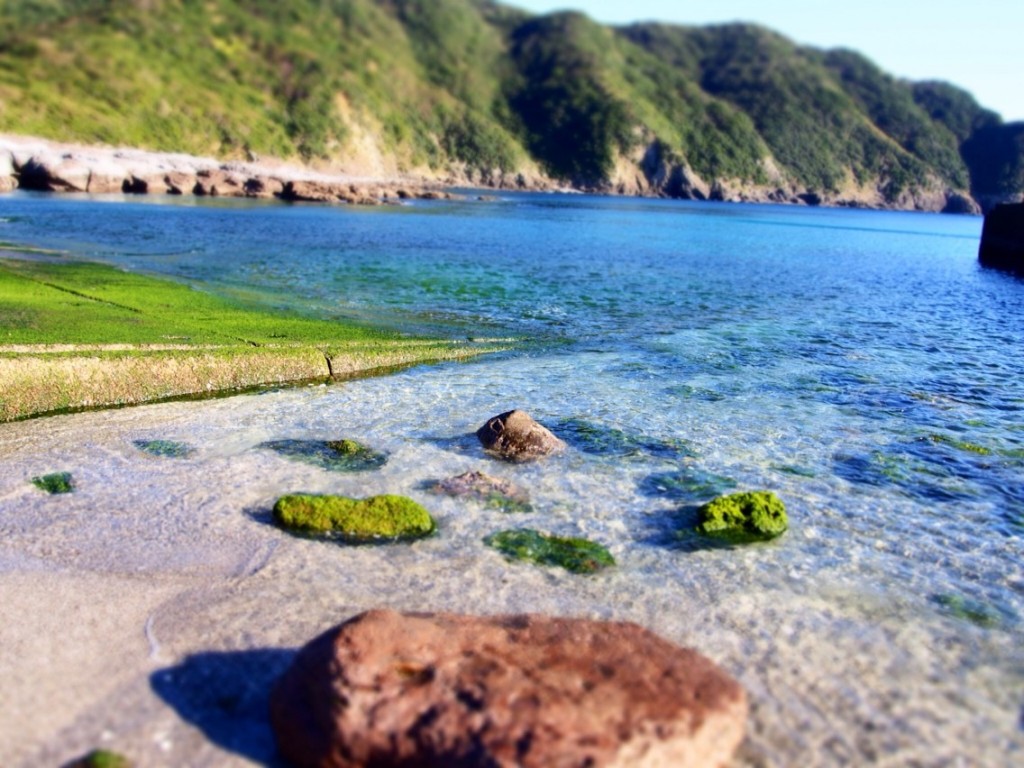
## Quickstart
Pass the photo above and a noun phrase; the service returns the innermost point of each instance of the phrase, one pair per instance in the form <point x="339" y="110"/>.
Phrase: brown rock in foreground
<point x="516" y="436"/>
<point x="429" y="690"/>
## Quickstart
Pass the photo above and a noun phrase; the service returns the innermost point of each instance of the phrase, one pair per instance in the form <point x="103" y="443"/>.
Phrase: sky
<point x="977" y="45"/>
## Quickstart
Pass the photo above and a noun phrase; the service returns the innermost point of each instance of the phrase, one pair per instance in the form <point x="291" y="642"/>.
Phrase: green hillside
<point x="472" y="87"/>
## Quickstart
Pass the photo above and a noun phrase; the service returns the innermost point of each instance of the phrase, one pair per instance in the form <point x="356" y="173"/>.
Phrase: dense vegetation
<point x="436" y="85"/>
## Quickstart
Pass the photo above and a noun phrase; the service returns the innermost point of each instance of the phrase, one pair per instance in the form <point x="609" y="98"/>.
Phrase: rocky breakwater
<point x="391" y="689"/>
<point x="40" y="165"/>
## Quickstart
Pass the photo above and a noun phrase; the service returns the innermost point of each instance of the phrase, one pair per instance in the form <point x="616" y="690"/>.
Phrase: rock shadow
<point x="226" y="695"/>
<point x="676" y="530"/>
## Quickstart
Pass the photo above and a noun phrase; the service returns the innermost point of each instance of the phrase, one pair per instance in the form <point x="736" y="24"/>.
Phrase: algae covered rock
<point x="493" y="492"/>
<point x="742" y="517"/>
<point x="573" y="554"/>
<point x="54" y="483"/>
<point x="423" y="690"/>
<point x="332" y="455"/>
<point x="375" y="519"/>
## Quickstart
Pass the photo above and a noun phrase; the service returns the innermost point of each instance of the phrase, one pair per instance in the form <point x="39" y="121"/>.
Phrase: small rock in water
<point x="573" y="554"/>
<point x="515" y="436"/>
<point x="744" y="517"/>
<point x="494" y="492"/>
<point x="412" y="690"/>
<point x="356" y="521"/>
<point x="54" y="483"/>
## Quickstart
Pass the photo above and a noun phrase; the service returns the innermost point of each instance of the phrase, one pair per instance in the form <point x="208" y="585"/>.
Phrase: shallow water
<point x="858" y="363"/>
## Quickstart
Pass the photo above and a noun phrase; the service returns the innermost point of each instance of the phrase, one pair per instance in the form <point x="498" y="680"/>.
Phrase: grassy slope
<point x="79" y="334"/>
<point x="439" y="82"/>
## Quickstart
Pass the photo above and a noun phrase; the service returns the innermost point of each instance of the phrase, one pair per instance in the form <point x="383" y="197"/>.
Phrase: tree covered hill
<point x="479" y="91"/>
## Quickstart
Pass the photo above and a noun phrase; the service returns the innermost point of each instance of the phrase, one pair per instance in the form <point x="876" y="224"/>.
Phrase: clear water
<point x="860" y="364"/>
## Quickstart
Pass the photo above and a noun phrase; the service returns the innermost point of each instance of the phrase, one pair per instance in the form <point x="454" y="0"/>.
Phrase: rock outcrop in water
<point x="742" y="517"/>
<point x="390" y="689"/>
<point x="376" y="519"/>
<point x="494" y="492"/>
<point x="515" y="436"/>
<point x="1002" y="239"/>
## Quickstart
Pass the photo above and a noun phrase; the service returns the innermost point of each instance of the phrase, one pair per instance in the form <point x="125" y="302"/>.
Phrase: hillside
<point x="475" y="91"/>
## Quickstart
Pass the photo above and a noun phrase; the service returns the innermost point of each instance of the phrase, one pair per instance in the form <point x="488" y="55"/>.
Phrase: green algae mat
<point x="78" y="335"/>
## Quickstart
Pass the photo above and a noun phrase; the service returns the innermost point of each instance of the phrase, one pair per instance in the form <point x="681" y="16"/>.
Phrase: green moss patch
<point x="332" y="455"/>
<point x="373" y="520"/>
<point x="79" y="335"/>
<point x="165" y="448"/>
<point x="55" y="483"/>
<point x="960" y="445"/>
<point x="574" y="554"/>
<point x="744" y="517"/>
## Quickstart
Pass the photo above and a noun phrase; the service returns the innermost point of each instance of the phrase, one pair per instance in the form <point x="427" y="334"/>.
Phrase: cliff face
<point x="474" y="91"/>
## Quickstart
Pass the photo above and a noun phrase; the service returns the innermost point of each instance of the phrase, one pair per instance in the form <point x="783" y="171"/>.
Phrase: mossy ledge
<point x="377" y="519"/>
<point x="76" y="335"/>
<point x="574" y="554"/>
<point x="744" y="517"/>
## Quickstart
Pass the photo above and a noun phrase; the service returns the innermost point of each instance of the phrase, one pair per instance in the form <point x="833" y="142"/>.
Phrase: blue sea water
<point x="859" y="363"/>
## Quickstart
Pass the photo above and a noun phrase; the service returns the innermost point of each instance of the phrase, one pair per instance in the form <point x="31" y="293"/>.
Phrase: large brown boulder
<point x="515" y="436"/>
<point x="429" y="690"/>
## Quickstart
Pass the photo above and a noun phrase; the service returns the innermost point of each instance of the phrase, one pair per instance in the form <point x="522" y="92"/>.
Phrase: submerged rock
<point x="689" y="484"/>
<point x="375" y="519"/>
<point x="494" y="492"/>
<point x="100" y="758"/>
<point x="601" y="440"/>
<point x="743" y="517"/>
<point x="414" y="690"/>
<point x="967" y="609"/>
<point x="573" y="554"/>
<point x="165" y="448"/>
<point x="515" y="436"/>
<point x="333" y="455"/>
<point x="54" y="483"/>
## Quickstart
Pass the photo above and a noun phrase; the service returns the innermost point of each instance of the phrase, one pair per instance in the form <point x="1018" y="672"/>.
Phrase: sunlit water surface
<point x="857" y="363"/>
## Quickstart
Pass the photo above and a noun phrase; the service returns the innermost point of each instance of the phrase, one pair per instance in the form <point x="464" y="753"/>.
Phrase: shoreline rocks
<point x="391" y="689"/>
<point x="40" y="165"/>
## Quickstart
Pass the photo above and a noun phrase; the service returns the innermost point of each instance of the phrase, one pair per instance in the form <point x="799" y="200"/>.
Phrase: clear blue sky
<point x="976" y="44"/>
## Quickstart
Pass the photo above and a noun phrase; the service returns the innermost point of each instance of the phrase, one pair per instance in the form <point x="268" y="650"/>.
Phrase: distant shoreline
<point x="51" y="166"/>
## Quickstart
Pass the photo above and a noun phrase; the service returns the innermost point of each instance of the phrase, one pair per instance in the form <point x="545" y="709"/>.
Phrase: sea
<point x="859" y="364"/>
